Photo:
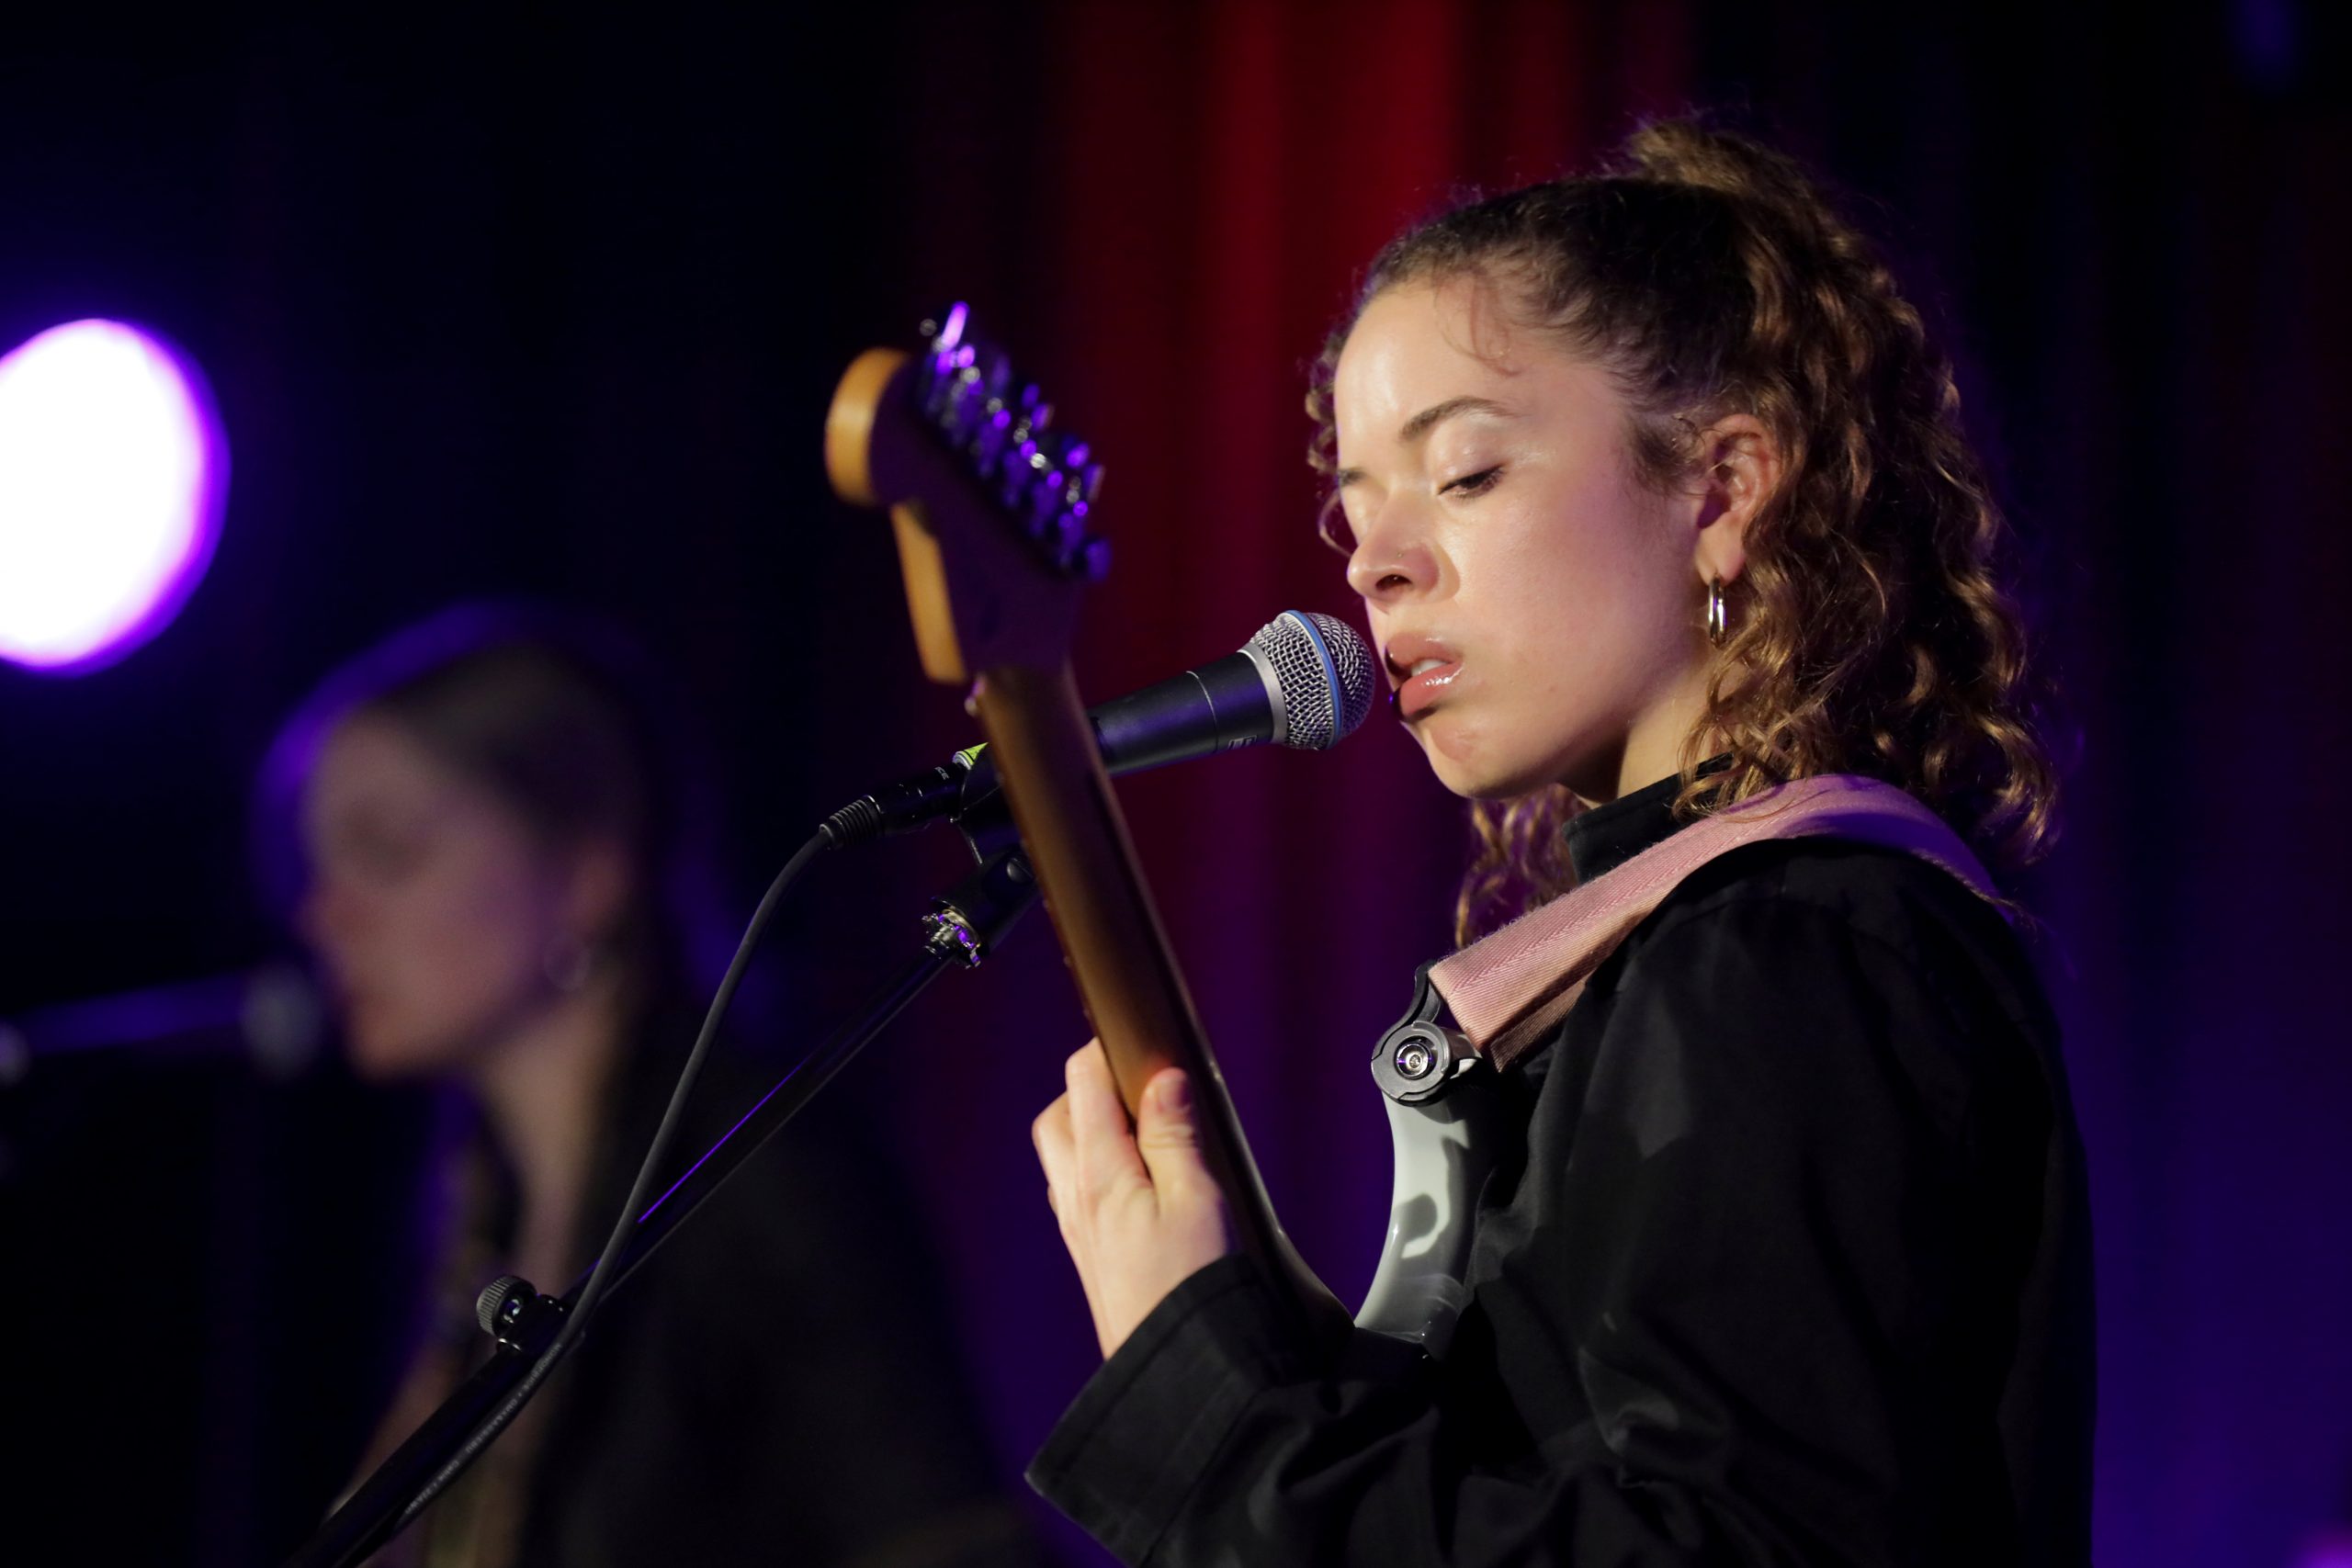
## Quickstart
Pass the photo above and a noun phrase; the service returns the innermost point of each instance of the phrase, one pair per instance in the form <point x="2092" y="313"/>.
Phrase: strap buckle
<point x="1419" y="1059"/>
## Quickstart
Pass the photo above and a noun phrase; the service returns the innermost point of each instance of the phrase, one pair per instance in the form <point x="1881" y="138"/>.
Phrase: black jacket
<point x="777" y="1385"/>
<point x="1793" y="1267"/>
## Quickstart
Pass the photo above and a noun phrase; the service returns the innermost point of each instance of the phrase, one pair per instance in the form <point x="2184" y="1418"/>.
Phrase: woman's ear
<point x="1740" y="469"/>
<point x="599" y="883"/>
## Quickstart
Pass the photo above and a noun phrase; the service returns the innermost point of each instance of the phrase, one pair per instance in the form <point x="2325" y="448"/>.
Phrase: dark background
<point x="531" y="299"/>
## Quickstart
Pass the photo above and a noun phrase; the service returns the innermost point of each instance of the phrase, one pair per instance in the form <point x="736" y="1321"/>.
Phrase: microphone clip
<point x="946" y="792"/>
<point x="969" y="922"/>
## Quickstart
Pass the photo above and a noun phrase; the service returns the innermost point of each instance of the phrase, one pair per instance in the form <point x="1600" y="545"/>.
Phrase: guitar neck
<point x="993" y="506"/>
<point x="1117" y="951"/>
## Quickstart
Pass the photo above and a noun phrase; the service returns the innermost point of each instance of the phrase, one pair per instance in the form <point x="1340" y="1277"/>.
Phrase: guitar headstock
<point x="993" y="501"/>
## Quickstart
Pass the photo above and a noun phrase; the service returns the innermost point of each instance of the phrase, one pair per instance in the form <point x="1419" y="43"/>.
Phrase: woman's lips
<point x="1421" y="670"/>
<point x="1417" y="693"/>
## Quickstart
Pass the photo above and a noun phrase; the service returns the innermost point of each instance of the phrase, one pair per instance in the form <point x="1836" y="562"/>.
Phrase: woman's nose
<point x="1393" y="557"/>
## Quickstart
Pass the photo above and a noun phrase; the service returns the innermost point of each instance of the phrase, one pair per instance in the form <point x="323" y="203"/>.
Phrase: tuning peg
<point x="1033" y="503"/>
<point x="944" y="371"/>
<point x="1048" y="494"/>
<point x="931" y="381"/>
<point x="1035" y="411"/>
<point x="994" y="436"/>
<point x="1050" y="445"/>
<point x="1077" y="460"/>
<point x="996" y="368"/>
<point x="968" y="408"/>
<point x="947" y="332"/>
<point x="1018" y="463"/>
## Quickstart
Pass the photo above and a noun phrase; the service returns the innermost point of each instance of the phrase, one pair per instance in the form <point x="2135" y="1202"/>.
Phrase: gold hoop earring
<point x="1718" y="619"/>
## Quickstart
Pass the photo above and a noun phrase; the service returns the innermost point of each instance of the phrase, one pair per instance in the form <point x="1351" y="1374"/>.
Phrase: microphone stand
<point x="965" y="927"/>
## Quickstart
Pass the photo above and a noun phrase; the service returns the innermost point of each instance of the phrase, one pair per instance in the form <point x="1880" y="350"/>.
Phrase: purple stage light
<point x="113" y="469"/>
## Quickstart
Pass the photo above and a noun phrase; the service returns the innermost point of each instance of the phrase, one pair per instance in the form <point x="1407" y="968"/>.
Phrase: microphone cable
<point x="599" y="1277"/>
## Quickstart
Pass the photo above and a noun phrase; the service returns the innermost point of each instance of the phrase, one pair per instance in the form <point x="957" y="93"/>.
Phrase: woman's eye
<point x="1478" y="483"/>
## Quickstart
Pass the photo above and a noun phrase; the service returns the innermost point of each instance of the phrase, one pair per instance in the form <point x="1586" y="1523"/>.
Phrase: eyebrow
<point x="1429" y="419"/>
<point x="1421" y="425"/>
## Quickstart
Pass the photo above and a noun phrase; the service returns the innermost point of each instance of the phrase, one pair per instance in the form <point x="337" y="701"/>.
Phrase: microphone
<point x="272" y="1015"/>
<point x="1304" y="680"/>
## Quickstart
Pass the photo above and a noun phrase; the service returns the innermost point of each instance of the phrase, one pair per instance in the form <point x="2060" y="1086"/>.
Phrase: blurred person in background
<point x="488" y="848"/>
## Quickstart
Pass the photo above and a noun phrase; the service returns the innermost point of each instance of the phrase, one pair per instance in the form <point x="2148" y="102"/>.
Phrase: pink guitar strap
<point x="1509" y="989"/>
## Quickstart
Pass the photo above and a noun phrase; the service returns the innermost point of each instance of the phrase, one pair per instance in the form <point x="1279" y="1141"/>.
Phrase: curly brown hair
<point x="1871" y="632"/>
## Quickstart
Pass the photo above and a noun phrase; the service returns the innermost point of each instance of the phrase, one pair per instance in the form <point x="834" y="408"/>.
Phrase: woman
<point x="499" y="887"/>
<point x="1658" y="500"/>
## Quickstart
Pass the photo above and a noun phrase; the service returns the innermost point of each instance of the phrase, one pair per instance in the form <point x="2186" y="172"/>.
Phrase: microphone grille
<point x="1325" y="673"/>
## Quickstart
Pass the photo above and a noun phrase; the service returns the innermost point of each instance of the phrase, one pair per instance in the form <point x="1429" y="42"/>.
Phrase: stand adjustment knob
<point x="501" y="1304"/>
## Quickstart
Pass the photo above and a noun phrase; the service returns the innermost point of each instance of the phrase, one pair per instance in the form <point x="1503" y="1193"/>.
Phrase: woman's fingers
<point x="1097" y="1154"/>
<point x="1103" y="1141"/>
<point x="1167" y="1139"/>
<point x="1051" y="1134"/>
<point x="1137" y="1208"/>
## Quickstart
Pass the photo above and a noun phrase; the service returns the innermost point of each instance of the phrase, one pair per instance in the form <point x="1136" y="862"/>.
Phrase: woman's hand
<point x="1139" y="1211"/>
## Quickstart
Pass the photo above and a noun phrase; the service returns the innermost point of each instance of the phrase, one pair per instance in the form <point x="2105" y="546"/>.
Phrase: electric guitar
<point x="993" y="508"/>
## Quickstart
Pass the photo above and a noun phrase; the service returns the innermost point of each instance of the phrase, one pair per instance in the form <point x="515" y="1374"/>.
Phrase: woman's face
<point x="1538" y="609"/>
<point x="431" y="907"/>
